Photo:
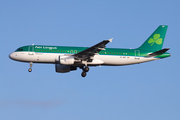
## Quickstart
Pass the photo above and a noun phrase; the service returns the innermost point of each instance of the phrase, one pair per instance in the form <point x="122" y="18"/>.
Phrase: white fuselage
<point x="52" y="58"/>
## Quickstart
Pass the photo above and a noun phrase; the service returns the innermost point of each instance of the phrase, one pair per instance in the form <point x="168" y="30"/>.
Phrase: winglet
<point x="110" y="40"/>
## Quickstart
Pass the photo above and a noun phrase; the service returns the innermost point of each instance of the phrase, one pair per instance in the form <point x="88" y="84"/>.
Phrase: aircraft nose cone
<point x="11" y="56"/>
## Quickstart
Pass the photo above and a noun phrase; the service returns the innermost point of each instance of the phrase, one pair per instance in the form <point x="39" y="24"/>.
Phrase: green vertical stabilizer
<point x="156" y="40"/>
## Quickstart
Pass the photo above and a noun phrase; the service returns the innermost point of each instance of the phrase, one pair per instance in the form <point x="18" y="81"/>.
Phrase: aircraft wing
<point x="90" y="52"/>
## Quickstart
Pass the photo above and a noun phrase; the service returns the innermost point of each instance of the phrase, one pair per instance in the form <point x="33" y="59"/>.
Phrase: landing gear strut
<point x="30" y="69"/>
<point x="85" y="69"/>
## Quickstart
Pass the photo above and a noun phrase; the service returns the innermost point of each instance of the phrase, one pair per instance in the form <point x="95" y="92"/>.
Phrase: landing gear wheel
<point x="86" y="69"/>
<point x="29" y="69"/>
<point x="83" y="74"/>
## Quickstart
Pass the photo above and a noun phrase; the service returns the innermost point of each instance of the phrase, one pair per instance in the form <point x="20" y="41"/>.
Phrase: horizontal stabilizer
<point x="158" y="52"/>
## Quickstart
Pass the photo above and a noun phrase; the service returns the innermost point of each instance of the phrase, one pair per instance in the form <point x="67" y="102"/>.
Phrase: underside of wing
<point x="86" y="55"/>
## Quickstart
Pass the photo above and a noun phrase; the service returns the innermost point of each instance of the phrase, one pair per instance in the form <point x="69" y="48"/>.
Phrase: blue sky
<point x="137" y="92"/>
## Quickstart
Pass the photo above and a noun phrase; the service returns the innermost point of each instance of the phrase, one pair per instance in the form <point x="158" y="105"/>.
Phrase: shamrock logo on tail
<point x="156" y="39"/>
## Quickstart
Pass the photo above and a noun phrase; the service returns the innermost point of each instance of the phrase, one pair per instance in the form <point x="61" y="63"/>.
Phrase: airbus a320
<point x="67" y="59"/>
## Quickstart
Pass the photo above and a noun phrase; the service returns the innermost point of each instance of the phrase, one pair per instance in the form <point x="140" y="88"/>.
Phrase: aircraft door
<point x="137" y="54"/>
<point x="31" y="50"/>
<point x="73" y="51"/>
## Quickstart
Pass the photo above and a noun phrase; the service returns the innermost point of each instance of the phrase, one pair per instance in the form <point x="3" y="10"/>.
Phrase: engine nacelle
<point x="66" y="60"/>
<point x="64" y="68"/>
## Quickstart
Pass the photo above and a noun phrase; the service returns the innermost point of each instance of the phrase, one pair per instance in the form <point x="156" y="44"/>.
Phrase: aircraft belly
<point x="98" y="59"/>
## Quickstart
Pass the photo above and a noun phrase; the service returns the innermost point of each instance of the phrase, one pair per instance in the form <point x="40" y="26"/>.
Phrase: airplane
<point x="67" y="59"/>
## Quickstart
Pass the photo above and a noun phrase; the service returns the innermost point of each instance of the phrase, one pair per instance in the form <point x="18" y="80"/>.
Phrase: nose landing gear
<point x="30" y="69"/>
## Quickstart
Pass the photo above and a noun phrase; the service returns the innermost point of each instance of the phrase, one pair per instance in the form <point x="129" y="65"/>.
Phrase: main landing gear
<point x="30" y="69"/>
<point x="85" y="69"/>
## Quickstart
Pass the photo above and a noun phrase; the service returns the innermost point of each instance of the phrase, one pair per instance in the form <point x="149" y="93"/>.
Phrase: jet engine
<point x="66" y="60"/>
<point x="64" y="68"/>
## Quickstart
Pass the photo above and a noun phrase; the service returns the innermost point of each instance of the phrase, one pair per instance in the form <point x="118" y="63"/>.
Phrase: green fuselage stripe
<point x="74" y="50"/>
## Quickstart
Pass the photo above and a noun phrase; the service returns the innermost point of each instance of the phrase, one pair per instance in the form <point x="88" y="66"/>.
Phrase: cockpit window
<point x="19" y="49"/>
